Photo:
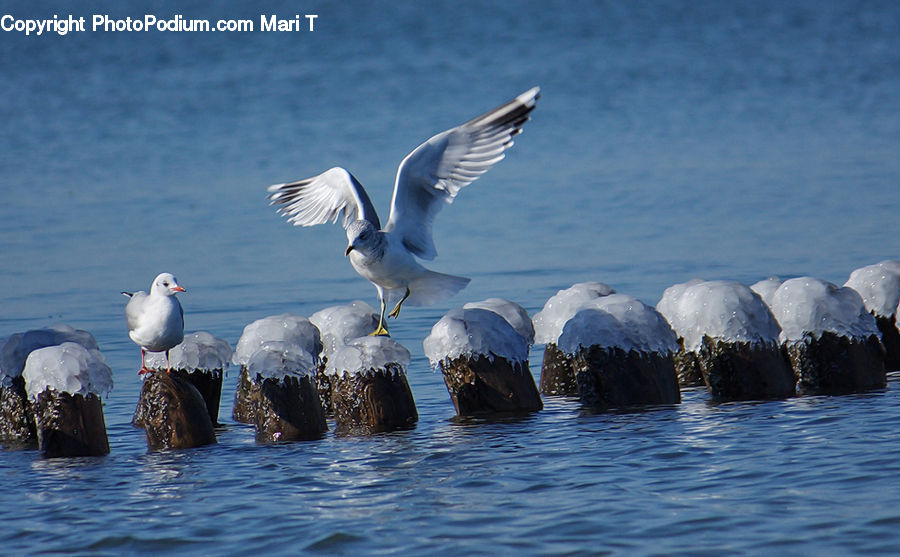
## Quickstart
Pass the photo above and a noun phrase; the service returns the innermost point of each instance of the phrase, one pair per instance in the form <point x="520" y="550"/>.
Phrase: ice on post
<point x="281" y="389"/>
<point x="338" y="325"/>
<point x="484" y="362"/>
<point x="766" y="288"/>
<point x="832" y="341"/>
<point x="16" y="417"/>
<point x="287" y="328"/>
<point x="621" y="353"/>
<point x="513" y="313"/>
<point x="879" y="286"/>
<point x="727" y="335"/>
<point x="369" y="390"/>
<point x="201" y="359"/>
<point x="557" y="374"/>
<point x="65" y="384"/>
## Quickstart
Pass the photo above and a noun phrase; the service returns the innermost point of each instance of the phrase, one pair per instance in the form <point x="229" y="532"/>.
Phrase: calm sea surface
<point x="722" y="140"/>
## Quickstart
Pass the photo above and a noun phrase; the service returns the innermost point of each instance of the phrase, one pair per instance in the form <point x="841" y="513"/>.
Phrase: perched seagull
<point x="156" y="320"/>
<point x="427" y="178"/>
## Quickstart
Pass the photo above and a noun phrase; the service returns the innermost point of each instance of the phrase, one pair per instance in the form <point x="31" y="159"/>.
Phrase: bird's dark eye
<point x="166" y="284"/>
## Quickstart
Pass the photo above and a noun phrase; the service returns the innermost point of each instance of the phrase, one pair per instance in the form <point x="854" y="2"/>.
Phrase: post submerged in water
<point x="369" y="390"/>
<point x="728" y="334"/>
<point x="622" y="354"/>
<point x="557" y="368"/>
<point x="484" y="361"/>
<point x="64" y="384"/>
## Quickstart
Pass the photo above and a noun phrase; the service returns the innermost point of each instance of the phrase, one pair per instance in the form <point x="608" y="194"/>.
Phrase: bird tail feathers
<point x="433" y="287"/>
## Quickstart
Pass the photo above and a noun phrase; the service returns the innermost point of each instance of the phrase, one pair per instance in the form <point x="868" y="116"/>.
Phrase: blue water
<point x="673" y="140"/>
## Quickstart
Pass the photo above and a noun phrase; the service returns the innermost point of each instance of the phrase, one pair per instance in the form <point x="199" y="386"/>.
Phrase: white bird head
<point x="362" y="236"/>
<point x="165" y="284"/>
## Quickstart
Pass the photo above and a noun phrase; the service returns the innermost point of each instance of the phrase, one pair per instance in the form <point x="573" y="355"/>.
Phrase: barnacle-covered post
<point x="64" y="384"/>
<point x="727" y="333"/>
<point x="557" y="373"/>
<point x="831" y="340"/>
<point x="484" y="361"/>
<point x="369" y="390"/>
<point x="287" y="328"/>
<point x="622" y="354"/>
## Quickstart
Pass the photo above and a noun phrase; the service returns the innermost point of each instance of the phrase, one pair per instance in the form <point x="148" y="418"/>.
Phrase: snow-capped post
<point x="557" y="374"/>
<point x="287" y="328"/>
<point x="64" y="384"/>
<point x="728" y="334"/>
<point x="282" y="390"/>
<point x="338" y="325"/>
<point x="17" y="424"/>
<point x="879" y="286"/>
<point x="621" y="351"/>
<point x="484" y="361"/>
<point x="201" y="359"/>
<point x="369" y="390"/>
<point x="831" y="340"/>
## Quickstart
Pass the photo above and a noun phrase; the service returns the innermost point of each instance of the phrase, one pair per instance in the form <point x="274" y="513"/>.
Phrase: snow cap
<point x="879" y="286"/>
<point x="617" y="321"/>
<point x="67" y="368"/>
<point x="366" y="355"/>
<point x="474" y="332"/>
<point x="766" y="289"/>
<point x="549" y="322"/>
<point x="722" y="310"/>
<point x="198" y="351"/>
<point x="514" y="314"/>
<point x="285" y="328"/>
<point x="809" y="306"/>
<point x="17" y="347"/>
<point x="277" y="359"/>
<point x="338" y="325"/>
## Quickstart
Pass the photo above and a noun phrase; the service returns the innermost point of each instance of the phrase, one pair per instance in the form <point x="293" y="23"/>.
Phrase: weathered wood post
<point x="338" y="325"/>
<point x="879" y="286"/>
<point x="832" y="342"/>
<point x="622" y="354"/>
<point x="557" y="372"/>
<point x="484" y="362"/>
<point x="17" y="422"/>
<point x="201" y="359"/>
<point x="369" y="390"/>
<point x="728" y="334"/>
<point x="286" y="328"/>
<point x="64" y="384"/>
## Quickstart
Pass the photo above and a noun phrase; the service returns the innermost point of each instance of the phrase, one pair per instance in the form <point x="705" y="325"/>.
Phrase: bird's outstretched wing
<point x="436" y="170"/>
<point x="323" y="198"/>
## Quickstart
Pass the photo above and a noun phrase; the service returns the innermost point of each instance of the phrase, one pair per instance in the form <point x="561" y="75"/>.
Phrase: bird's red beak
<point x="177" y="288"/>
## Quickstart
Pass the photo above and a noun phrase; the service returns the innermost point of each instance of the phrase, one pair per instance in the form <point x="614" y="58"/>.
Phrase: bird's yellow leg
<point x="381" y="330"/>
<point x="396" y="311"/>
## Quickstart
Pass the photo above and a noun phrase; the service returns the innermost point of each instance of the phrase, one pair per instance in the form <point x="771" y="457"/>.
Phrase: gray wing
<point x="323" y="198"/>
<point x="435" y="171"/>
<point x="134" y="309"/>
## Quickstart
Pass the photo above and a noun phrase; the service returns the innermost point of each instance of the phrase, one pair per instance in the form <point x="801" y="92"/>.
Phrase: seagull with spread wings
<point x="427" y="178"/>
